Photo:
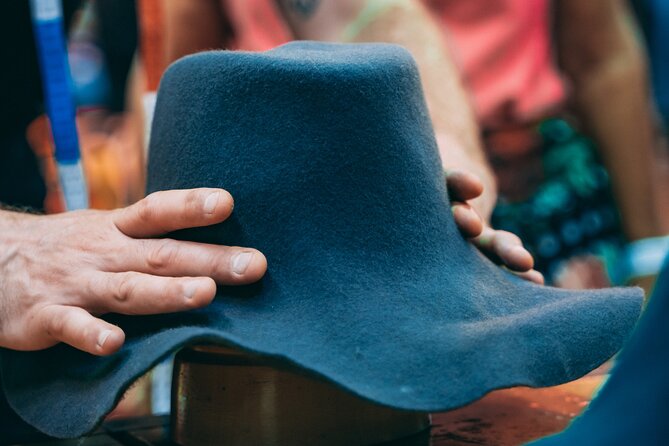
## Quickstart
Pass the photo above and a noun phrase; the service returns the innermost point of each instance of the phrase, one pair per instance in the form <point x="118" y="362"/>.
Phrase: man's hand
<point x="500" y="246"/>
<point x="59" y="272"/>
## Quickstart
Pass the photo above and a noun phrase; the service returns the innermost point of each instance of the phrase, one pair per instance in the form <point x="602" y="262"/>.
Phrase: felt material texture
<point x="330" y="154"/>
<point x="633" y="406"/>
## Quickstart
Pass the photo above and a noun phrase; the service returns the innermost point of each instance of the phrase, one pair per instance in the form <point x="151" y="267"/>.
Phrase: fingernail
<point x="520" y="254"/>
<point x="210" y="203"/>
<point x="190" y="288"/>
<point x="518" y="251"/>
<point x="103" y="338"/>
<point x="464" y="212"/>
<point x="241" y="261"/>
<point x="455" y="210"/>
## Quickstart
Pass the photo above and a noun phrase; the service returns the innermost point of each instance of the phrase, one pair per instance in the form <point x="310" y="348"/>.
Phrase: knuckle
<point x="216" y="263"/>
<point x="146" y="208"/>
<point x="55" y="326"/>
<point x="89" y="333"/>
<point x="163" y="255"/>
<point x="125" y="288"/>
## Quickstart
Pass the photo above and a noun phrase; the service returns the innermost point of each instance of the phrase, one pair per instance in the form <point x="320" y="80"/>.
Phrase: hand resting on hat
<point x="58" y="273"/>
<point x="502" y="247"/>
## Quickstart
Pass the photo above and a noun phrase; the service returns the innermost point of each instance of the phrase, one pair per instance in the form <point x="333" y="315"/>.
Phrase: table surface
<point x="503" y="418"/>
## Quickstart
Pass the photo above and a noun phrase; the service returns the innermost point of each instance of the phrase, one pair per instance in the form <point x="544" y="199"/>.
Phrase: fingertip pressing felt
<point x="532" y="275"/>
<point x="249" y="265"/>
<point x="110" y="340"/>
<point x="218" y="204"/>
<point x="518" y="259"/>
<point x="468" y="221"/>
<point x="77" y="327"/>
<point x="171" y="210"/>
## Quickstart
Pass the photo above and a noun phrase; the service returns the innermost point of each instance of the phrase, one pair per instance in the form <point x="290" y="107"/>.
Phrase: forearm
<point x="407" y="23"/>
<point x="611" y="96"/>
<point x="614" y="107"/>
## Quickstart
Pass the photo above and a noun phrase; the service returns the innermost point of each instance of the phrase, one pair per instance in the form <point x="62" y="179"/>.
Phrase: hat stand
<point x="222" y="396"/>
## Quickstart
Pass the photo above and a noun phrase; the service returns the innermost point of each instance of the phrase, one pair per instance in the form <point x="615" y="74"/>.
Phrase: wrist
<point x="16" y="228"/>
<point x="10" y="217"/>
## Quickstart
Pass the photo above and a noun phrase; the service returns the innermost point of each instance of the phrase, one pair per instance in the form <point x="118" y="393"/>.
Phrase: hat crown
<point x="323" y="146"/>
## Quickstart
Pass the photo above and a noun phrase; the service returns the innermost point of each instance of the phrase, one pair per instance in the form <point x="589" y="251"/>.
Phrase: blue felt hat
<point x="330" y="155"/>
<point x="633" y="406"/>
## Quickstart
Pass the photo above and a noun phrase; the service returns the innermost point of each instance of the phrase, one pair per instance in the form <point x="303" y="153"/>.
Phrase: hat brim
<point x="403" y="343"/>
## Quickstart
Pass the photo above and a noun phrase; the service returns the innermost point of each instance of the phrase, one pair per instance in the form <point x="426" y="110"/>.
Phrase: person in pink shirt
<point x="504" y="53"/>
<point x="540" y="75"/>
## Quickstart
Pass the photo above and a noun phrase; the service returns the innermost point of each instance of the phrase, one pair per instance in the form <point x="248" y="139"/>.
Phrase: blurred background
<point x="570" y="99"/>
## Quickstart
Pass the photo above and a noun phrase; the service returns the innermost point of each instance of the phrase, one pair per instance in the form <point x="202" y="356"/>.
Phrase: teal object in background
<point x="572" y="212"/>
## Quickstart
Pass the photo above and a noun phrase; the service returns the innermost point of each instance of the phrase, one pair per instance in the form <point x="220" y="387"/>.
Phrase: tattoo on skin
<point x="303" y="8"/>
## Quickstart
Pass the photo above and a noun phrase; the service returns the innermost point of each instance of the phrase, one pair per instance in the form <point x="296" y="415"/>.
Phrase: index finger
<point x="167" y="211"/>
<point x="504" y="247"/>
